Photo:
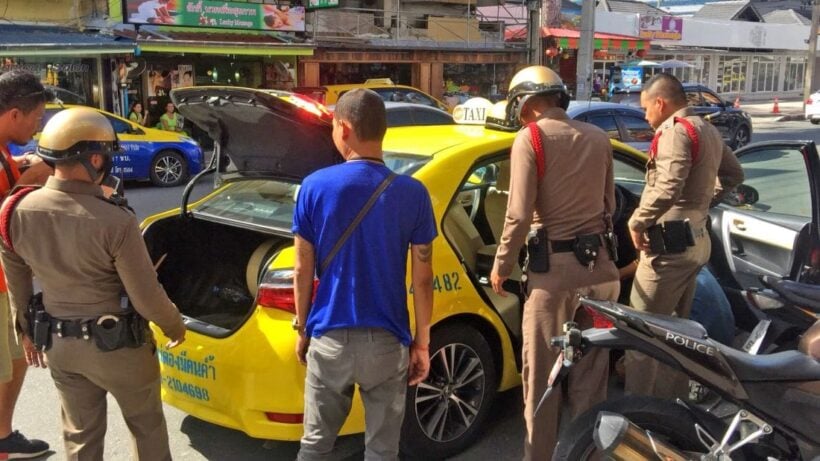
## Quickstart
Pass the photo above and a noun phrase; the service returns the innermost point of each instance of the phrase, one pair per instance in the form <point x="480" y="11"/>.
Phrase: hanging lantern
<point x="564" y="54"/>
<point x="640" y="53"/>
<point x="551" y="52"/>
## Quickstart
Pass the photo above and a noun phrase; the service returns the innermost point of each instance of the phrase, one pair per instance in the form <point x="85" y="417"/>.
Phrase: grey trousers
<point x="371" y="358"/>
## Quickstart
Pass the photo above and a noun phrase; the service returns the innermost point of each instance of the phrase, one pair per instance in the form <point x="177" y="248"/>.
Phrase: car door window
<point x="120" y="127"/>
<point x="779" y="176"/>
<point x="399" y="117"/>
<point x="418" y="98"/>
<point x="710" y="100"/>
<point x="637" y="129"/>
<point x="626" y="170"/>
<point x="606" y="123"/>
<point x="693" y="98"/>
<point x="431" y="117"/>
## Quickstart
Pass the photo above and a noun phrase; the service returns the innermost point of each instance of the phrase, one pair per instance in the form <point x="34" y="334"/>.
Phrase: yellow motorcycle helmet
<point x="530" y="81"/>
<point x="76" y="133"/>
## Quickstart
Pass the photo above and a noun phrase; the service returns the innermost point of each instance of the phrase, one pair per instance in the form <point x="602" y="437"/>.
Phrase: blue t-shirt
<point x="364" y="285"/>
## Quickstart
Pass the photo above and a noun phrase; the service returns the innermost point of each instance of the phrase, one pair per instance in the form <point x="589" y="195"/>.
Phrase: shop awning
<point x="259" y="44"/>
<point x="57" y="41"/>
<point x="569" y="38"/>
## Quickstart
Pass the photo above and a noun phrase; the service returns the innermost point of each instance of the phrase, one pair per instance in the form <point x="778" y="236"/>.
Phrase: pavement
<point x="790" y="110"/>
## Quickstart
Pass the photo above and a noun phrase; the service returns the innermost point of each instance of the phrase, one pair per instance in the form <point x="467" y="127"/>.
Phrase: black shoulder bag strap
<point x="362" y="213"/>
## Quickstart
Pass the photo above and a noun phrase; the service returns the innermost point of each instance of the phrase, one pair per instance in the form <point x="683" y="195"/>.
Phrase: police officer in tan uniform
<point x="689" y="168"/>
<point x="568" y="199"/>
<point x="87" y="253"/>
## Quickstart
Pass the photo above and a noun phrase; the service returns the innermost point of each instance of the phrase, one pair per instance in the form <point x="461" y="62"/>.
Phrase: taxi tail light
<point x="287" y="418"/>
<point x="276" y="290"/>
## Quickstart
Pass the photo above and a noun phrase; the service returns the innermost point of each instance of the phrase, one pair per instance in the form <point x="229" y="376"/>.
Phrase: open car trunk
<point x="210" y="271"/>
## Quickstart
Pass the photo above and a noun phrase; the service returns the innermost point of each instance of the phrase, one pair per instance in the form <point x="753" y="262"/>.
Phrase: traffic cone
<point x="737" y="103"/>
<point x="776" y="108"/>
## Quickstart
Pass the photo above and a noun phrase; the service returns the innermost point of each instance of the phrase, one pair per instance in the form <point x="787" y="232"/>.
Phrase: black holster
<point x="39" y="323"/>
<point x="111" y="332"/>
<point x="670" y="237"/>
<point x="538" y="257"/>
<point x="585" y="248"/>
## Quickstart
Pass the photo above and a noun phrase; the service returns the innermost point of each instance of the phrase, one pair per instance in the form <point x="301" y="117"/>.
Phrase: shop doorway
<point x="341" y="73"/>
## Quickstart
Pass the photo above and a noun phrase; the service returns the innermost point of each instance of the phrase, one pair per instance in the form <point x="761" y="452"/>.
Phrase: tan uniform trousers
<point x="84" y="375"/>
<point x="664" y="284"/>
<point x="544" y="316"/>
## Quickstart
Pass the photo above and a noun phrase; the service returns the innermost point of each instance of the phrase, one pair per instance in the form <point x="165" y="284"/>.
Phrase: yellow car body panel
<point x="235" y="381"/>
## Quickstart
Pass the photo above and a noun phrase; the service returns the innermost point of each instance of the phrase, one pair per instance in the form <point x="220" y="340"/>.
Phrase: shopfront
<point x="437" y="72"/>
<point x="69" y="62"/>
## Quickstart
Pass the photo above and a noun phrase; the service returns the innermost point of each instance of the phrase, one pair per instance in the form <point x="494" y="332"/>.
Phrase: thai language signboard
<point x="209" y="13"/>
<point x="661" y="27"/>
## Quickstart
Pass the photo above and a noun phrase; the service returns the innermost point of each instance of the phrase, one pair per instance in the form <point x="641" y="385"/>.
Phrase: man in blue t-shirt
<point x="357" y="329"/>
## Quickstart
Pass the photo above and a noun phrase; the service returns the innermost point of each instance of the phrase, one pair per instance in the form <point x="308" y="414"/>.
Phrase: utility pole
<point x="583" y="72"/>
<point x="536" y="50"/>
<point x="811" y="56"/>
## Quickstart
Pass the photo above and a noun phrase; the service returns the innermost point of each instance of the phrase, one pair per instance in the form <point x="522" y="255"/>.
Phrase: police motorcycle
<point x="768" y="406"/>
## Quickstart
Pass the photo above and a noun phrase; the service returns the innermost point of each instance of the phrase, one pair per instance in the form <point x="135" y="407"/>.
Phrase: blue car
<point x="163" y="157"/>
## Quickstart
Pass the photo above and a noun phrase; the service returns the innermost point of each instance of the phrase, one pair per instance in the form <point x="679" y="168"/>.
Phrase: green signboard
<point x="316" y="4"/>
<point x="208" y="13"/>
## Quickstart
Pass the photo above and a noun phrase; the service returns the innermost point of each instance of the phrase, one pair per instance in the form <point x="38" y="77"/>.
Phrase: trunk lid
<point x="263" y="133"/>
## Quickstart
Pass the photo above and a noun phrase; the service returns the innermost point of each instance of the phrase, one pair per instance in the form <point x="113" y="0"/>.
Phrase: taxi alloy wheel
<point x="168" y="169"/>
<point x="446" y="411"/>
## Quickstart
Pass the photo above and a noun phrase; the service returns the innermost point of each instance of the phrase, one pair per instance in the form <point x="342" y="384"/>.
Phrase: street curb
<point x="790" y="118"/>
<point x="778" y="117"/>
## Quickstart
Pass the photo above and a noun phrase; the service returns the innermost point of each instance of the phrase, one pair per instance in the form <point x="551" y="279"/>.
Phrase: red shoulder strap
<point x="693" y="137"/>
<point x="5" y="214"/>
<point x="538" y="147"/>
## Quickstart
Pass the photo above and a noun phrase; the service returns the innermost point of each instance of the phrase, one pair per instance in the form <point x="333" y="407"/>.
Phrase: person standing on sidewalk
<point x="689" y="169"/>
<point x="561" y="183"/>
<point x="22" y="105"/>
<point x="357" y="331"/>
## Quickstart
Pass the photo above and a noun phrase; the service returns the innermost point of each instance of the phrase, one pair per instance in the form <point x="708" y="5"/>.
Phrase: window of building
<point x="731" y="76"/>
<point x="765" y="74"/>
<point x="795" y="71"/>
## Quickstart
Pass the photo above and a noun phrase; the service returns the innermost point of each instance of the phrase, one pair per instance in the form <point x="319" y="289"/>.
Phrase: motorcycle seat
<point x="782" y="366"/>
<point x="685" y="327"/>
<point x="800" y="294"/>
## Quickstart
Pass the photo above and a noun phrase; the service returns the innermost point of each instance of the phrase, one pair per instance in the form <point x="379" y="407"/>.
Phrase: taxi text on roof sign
<point x="473" y="112"/>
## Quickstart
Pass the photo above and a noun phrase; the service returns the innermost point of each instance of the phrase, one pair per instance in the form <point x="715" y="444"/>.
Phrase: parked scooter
<point x="774" y="399"/>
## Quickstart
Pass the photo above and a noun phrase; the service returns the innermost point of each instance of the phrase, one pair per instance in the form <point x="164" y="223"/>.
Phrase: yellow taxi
<point x="165" y="158"/>
<point x="389" y="91"/>
<point x="227" y="263"/>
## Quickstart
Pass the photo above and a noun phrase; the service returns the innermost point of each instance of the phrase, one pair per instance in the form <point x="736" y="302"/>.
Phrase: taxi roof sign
<point x="473" y="112"/>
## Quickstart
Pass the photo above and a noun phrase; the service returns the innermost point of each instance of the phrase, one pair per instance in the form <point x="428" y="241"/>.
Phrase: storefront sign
<point x="208" y="13"/>
<point x="316" y="4"/>
<point x="661" y="27"/>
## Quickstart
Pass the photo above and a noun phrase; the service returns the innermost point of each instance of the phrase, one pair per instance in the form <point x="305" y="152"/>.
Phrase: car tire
<point x="445" y="413"/>
<point x="168" y="169"/>
<point x="741" y="137"/>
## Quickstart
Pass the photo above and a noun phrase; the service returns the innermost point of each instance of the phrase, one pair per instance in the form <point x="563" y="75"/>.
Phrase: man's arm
<point x="730" y="174"/>
<point x="422" y="275"/>
<point x="20" y="286"/>
<point x="138" y="276"/>
<point x="304" y="270"/>
<point x="520" y="206"/>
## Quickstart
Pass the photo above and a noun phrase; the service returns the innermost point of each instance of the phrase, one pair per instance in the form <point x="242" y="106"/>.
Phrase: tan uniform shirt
<point x="571" y="199"/>
<point x="86" y="253"/>
<point x="675" y="188"/>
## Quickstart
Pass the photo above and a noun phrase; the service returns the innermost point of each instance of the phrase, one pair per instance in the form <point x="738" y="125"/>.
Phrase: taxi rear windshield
<point x="270" y="203"/>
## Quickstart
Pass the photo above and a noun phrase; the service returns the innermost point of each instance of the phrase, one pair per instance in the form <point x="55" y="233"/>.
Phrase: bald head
<point x="668" y="87"/>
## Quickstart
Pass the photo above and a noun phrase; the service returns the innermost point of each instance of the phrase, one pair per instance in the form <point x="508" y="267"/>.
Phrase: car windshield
<point x="269" y="203"/>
